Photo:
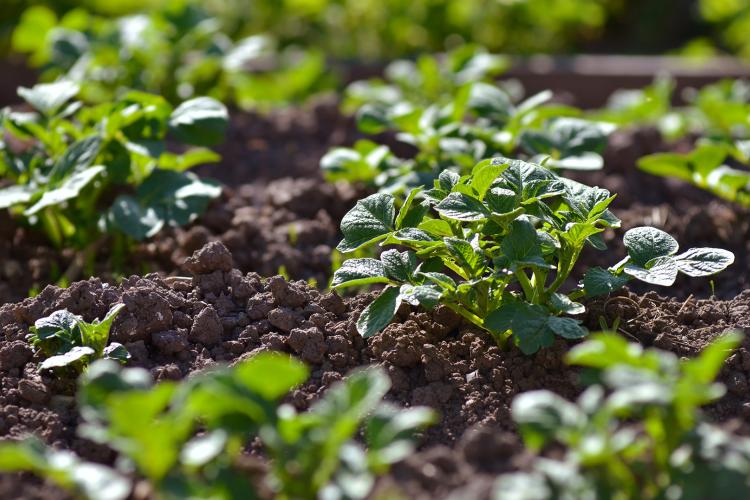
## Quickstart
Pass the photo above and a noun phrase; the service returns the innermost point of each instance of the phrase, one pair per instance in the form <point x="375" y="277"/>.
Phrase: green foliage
<point x="706" y="167"/>
<point x="496" y="246"/>
<point x="186" y="439"/>
<point x="65" y="162"/>
<point x="69" y="343"/>
<point x="454" y="117"/>
<point x="176" y="49"/>
<point x="637" y="432"/>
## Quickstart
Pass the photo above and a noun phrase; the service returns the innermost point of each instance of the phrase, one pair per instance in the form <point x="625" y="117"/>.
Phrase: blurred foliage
<point x="731" y="19"/>
<point x="385" y="28"/>
<point x="179" y="50"/>
<point x="637" y="431"/>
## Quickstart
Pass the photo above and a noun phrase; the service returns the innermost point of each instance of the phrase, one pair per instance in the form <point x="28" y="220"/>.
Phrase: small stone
<point x="34" y="392"/>
<point x="169" y="342"/>
<point x="15" y="355"/>
<point x="206" y="327"/>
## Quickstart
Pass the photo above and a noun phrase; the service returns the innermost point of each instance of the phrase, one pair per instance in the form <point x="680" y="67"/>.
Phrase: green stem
<point x="471" y="317"/>
<point x="528" y="288"/>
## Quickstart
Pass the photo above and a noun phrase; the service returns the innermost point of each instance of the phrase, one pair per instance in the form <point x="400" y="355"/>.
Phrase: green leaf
<point x="399" y="266"/>
<point x="271" y="375"/>
<point x="567" y="328"/>
<point x="562" y="304"/>
<point x="370" y="220"/>
<point x="460" y="206"/>
<point x="667" y="165"/>
<point x="541" y="415"/>
<point x="202" y="449"/>
<point x="489" y="101"/>
<point x="96" y="334"/>
<point x="501" y="201"/>
<point x="78" y="354"/>
<point x="466" y="255"/>
<point x="598" y="281"/>
<point x="117" y="352"/>
<point x="355" y="272"/>
<point x="410" y="216"/>
<point x="178" y="198"/>
<point x="373" y="119"/>
<point x="703" y="261"/>
<point x="201" y="121"/>
<point x="521" y="246"/>
<point x="427" y="296"/>
<point x="646" y="243"/>
<point x="529" y="324"/>
<point x="705" y="368"/>
<point x="48" y="98"/>
<point x="483" y="175"/>
<point x="659" y="271"/>
<point x="31" y="32"/>
<point x="436" y="227"/>
<point x="69" y="189"/>
<point x="76" y="159"/>
<point x="15" y="195"/>
<point x="379" y="313"/>
<point x="129" y="217"/>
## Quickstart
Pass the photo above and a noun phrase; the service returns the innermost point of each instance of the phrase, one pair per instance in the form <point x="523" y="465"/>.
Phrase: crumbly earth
<point x="177" y="326"/>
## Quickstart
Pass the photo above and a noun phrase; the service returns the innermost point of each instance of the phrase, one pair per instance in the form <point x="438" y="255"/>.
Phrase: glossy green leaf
<point x="370" y="220"/>
<point x="379" y="313"/>
<point x="201" y="121"/>
<point x="647" y="243"/>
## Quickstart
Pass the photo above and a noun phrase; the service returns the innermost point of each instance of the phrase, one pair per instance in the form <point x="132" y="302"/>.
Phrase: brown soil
<point x="174" y="327"/>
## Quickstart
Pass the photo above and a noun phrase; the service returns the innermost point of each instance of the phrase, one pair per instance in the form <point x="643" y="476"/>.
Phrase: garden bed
<point x="177" y="327"/>
<point x="209" y="293"/>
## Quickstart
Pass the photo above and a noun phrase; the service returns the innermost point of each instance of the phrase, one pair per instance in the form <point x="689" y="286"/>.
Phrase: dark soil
<point x="174" y="327"/>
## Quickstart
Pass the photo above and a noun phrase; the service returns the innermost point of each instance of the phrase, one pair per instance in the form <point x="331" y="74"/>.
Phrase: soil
<point x="175" y="327"/>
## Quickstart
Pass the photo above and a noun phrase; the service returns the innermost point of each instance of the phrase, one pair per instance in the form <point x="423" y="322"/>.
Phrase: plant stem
<point x="461" y="311"/>
<point x="528" y="288"/>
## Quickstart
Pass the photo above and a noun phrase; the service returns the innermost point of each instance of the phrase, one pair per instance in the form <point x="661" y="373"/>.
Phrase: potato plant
<point x="469" y="122"/>
<point x="69" y="343"/>
<point x="186" y="438"/>
<point x="637" y="432"/>
<point x="497" y="246"/>
<point x="80" y="172"/>
<point x="178" y="50"/>
<point x="707" y="167"/>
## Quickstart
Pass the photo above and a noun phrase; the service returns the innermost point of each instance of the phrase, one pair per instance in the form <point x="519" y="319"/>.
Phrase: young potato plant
<point x="69" y="343"/>
<point x="636" y="432"/>
<point x="177" y="49"/>
<point x="497" y="246"/>
<point x="77" y="172"/>
<point x="476" y="120"/>
<point x="186" y="439"/>
<point x="428" y="80"/>
<point x="706" y="167"/>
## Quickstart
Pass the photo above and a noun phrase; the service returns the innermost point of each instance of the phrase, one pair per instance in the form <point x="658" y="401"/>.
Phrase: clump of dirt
<point x="177" y="326"/>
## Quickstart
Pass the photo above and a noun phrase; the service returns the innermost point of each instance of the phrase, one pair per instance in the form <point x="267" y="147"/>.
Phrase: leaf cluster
<point x="77" y="172"/>
<point x="176" y="49"/>
<point x="635" y="432"/>
<point x="496" y="246"/>
<point x="186" y="439"/>
<point x="455" y="121"/>
<point x="709" y="167"/>
<point x="70" y="344"/>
